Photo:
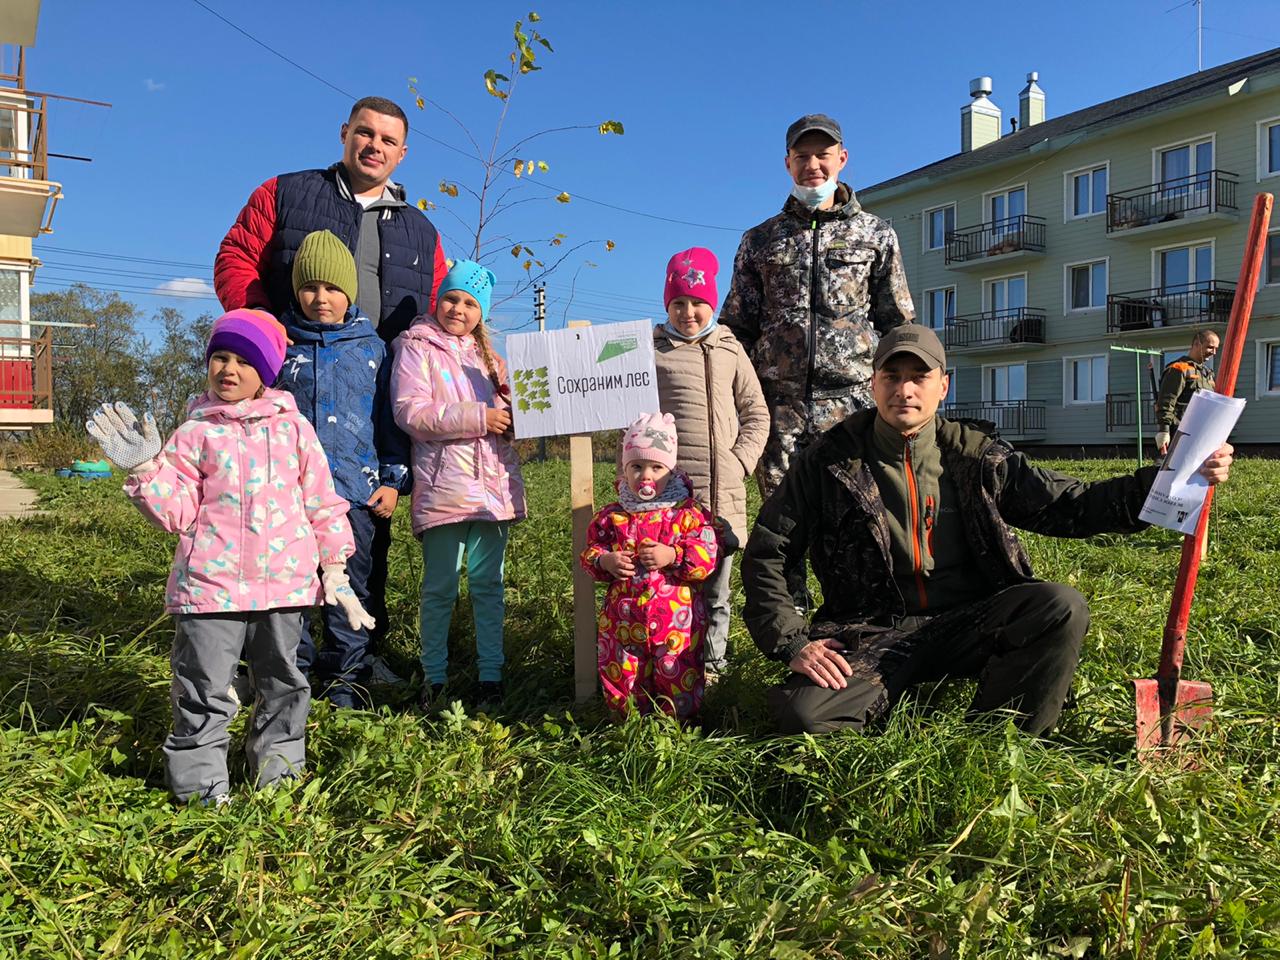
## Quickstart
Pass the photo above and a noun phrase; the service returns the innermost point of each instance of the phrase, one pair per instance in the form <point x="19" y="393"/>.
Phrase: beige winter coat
<point x="711" y="389"/>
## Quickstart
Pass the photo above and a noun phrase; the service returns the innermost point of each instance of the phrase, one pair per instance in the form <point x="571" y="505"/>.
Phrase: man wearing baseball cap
<point x="907" y="519"/>
<point x="813" y="290"/>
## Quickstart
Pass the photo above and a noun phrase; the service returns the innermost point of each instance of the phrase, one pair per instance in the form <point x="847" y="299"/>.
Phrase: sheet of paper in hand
<point x="1178" y="492"/>
<point x="583" y="379"/>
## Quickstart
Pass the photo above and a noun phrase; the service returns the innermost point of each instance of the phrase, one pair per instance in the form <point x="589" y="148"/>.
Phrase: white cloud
<point x="152" y="86"/>
<point x="185" y="288"/>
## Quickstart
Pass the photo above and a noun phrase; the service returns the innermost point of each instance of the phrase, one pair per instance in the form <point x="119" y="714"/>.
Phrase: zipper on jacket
<point x="813" y="325"/>
<point x="711" y="427"/>
<point x="913" y="497"/>
<point x="929" y="516"/>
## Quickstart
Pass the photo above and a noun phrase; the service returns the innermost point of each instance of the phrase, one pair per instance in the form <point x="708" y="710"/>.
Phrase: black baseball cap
<point x="810" y="122"/>
<point x="912" y="338"/>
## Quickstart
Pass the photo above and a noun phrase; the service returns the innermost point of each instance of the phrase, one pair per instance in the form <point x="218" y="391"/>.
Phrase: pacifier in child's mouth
<point x="647" y="490"/>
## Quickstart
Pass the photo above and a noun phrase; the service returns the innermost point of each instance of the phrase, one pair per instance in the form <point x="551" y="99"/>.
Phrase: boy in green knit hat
<point x="338" y="370"/>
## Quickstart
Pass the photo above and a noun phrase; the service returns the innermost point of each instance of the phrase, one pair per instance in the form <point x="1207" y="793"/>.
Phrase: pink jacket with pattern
<point x="440" y="390"/>
<point x="247" y="488"/>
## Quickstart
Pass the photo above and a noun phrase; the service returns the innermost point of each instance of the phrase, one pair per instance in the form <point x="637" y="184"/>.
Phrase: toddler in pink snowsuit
<point x="654" y="547"/>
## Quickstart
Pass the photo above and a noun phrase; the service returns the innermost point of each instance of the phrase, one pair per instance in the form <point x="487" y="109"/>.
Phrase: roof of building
<point x="1121" y="110"/>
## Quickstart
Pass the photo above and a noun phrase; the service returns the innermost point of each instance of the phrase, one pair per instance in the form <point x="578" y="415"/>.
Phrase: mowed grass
<point x="549" y="832"/>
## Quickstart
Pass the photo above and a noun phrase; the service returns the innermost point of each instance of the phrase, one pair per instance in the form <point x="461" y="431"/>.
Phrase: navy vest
<point x="314" y="200"/>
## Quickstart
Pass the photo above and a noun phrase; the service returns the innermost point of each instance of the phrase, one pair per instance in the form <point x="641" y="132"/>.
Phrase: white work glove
<point x="1162" y="440"/>
<point x="126" y="444"/>
<point x="338" y="593"/>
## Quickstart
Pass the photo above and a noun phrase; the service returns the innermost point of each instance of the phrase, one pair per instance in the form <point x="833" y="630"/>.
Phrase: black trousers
<point x="1021" y="645"/>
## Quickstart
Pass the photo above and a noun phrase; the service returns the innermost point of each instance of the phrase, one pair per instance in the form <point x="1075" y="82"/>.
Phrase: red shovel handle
<point x="1175" y="627"/>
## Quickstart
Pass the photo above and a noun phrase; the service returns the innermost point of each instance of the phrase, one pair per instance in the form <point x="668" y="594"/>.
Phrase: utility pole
<point x="1199" y="35"/>
<point x="540" y="314"/>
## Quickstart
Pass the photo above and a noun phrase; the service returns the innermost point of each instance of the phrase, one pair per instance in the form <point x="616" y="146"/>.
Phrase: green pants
<point x="484" y="544"/>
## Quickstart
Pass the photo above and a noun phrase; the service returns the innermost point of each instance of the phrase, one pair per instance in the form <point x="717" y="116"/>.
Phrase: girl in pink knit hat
<point x="655" y="547"/>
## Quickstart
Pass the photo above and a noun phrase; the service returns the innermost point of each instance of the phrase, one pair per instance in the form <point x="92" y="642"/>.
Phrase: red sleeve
<point x="437" y="274"/>
<point x="240" y="268"/>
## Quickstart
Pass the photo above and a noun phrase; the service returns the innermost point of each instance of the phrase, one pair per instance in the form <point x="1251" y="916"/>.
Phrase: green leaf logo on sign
<point x="616" y="348"/>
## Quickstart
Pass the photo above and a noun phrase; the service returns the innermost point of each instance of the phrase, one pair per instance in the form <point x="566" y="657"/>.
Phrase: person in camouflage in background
<point x="813" y="290"/>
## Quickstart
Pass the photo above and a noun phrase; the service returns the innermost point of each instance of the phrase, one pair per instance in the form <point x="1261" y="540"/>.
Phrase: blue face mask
<point x="814" y="197"/>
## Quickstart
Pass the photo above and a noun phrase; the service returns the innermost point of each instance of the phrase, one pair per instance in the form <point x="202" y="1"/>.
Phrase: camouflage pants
<point x="794" y="424"/>
<point x="1021" y="645"/>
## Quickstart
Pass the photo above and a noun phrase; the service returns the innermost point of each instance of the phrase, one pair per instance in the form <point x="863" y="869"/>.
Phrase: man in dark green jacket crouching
<point x="906" y="518"/>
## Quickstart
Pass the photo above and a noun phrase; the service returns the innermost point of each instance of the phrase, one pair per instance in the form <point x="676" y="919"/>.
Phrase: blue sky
<point x="202" y="114"/>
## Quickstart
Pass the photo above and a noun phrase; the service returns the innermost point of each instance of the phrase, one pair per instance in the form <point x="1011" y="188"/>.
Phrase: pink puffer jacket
<point x="440" y="390"/>
<point x="247" y="488"/>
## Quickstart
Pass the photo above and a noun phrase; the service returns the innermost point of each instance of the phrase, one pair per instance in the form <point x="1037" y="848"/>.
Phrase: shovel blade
<point x="1192" y="708"/>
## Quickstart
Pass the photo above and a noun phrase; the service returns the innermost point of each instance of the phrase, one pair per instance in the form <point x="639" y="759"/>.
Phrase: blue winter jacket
<point x="340" y="376"/>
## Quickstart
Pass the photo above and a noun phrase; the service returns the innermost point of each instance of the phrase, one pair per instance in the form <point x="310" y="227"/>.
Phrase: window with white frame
<point x="940" y="307"/>
<point x="1007" y="204"/>
<point x="1271" y="272"/>
<point x="1269" y="148"/>
<point x="1004" y="384"/>
<point x="1185" y="169"/>
<point x="938" y="222"/>
<point x="1086" y="379"/>
<point x="1006" y="296"/>
<point x="1086" y="285"/>
<point x="1087" y="191"/>
<point x="1184" y="268"/>
<point x="1268" y="368"/>
<point x="11" y="302"/>
<point x="950" y="399"/>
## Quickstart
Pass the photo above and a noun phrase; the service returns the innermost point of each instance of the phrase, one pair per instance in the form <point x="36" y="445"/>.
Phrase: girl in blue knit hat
<point x="449" y="394"/>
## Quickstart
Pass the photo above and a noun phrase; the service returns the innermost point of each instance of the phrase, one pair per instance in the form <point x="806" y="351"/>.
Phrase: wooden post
<point x="582" y="499"/>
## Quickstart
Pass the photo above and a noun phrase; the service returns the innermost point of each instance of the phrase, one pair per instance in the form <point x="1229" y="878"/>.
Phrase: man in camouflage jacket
<point x="907" y="519"/>
<point x="813" y="290"/>
<point x="1180" y="380"/>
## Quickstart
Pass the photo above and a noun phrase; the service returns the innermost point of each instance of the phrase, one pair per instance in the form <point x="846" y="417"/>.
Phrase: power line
<point x="68" y="282"/>
<point x="448" y="146"/>
<point x="119" y="256"/>
<point x="119" y="272"/>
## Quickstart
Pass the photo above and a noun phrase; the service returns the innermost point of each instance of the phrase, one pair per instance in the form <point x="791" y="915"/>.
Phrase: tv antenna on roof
<point x="1199" y="5"/>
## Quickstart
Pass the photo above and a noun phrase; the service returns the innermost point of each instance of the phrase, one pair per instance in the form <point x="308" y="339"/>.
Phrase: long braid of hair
<point x="481" y="334"/>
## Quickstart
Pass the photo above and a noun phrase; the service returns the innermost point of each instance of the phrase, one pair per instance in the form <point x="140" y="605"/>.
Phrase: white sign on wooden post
<point x="577" y="381"/>
<point x="581" y="380"/>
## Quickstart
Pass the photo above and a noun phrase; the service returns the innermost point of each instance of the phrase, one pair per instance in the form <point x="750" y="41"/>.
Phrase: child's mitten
<point x="338" y="592"/>
<point x="126" y="444"/>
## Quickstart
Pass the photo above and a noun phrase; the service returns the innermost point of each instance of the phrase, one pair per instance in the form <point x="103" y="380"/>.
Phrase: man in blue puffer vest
<point x="399" y="260"/>
<point x="339" y="372"/>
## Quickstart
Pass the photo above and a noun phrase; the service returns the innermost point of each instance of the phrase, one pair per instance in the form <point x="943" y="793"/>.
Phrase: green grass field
<point x="549" y="832"/>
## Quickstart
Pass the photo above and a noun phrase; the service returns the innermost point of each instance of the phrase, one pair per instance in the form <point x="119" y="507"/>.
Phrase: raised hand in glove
<point x="126" y="443"/>
<point x="338" y="592"/>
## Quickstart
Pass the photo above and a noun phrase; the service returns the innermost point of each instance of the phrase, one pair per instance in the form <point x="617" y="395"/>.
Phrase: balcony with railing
<point x="1007" y="239"/>
<point x="1122" y="410"/>
<point x="26" y="380"/>
<point x="28" y="197"/>
<point x="1013" y="418"/>
<point x="995" y="328"/>
<point x="1164" y="206"/>
<point x="1207" y="301"/>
